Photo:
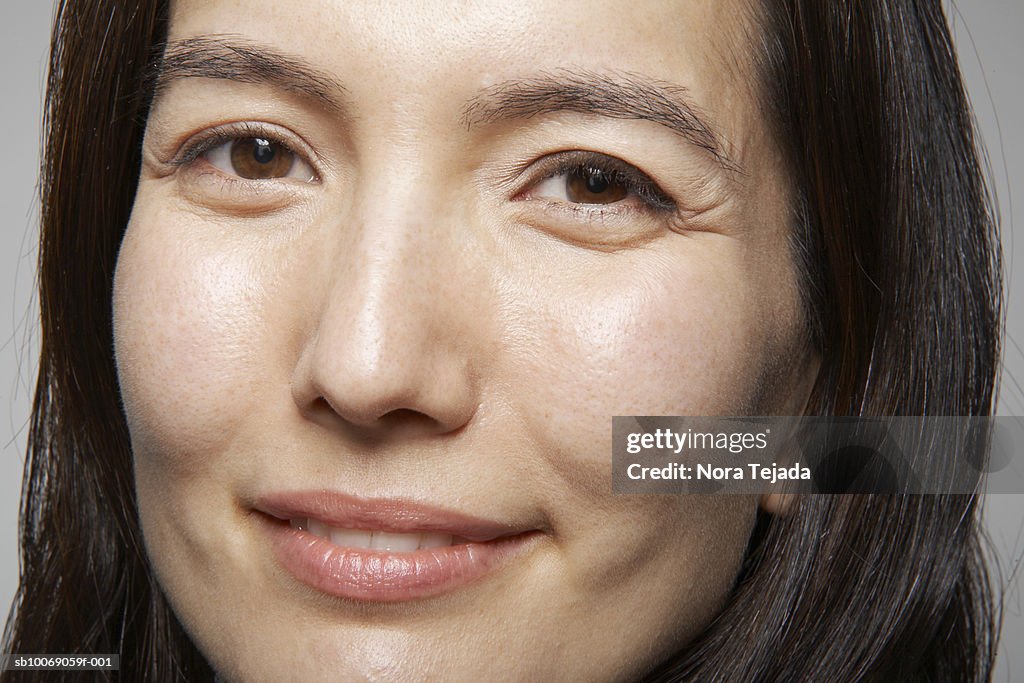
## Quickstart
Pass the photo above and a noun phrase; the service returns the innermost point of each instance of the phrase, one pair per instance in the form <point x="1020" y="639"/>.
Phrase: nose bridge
<point x="406" y="240"/>
<point x="383" y="295"/>
<point x="390" y="339"/>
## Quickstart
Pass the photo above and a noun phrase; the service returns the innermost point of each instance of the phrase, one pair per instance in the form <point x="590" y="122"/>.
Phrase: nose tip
<point x="385" y="360"/>
<point x="401" y="398"/>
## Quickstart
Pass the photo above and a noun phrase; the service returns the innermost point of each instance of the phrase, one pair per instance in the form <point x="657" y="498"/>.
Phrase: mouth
<point x="383" y="550"/>
<point x="376" y="539"/>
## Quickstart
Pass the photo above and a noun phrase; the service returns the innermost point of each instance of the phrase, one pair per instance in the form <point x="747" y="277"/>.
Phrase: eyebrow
<point x="614" y="94"/>
<point x="620" y="95"/>
<point x="232" y="58"/>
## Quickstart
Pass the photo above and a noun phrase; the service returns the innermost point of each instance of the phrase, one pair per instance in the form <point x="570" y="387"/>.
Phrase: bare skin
<point x="422" y="293"/>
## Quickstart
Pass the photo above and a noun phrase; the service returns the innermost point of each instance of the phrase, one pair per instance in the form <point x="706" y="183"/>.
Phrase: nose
<point x="390" y="349"/>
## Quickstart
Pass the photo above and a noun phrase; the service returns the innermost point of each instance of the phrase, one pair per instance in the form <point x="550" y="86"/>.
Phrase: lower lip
<point x="383" y="575"/>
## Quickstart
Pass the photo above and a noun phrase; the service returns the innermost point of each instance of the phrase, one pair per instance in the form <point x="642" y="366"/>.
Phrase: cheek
<point x="680" y="332"/>
<point x="189" y="332"/>
<point x="683" y="332"/>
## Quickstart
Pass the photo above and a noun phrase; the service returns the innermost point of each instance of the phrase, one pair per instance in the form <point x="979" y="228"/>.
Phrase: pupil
<point x="263" y="151"/>
<point x="596" y="182"/>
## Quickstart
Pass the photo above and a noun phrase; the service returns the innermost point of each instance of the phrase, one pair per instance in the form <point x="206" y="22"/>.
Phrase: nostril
<point x="320" y="411"/>
<point x="320" y="406"/>
<point x="396" y="421"/>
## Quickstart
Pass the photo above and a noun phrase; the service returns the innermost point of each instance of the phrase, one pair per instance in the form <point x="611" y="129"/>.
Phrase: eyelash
<point x="213" y="138"/>
<point x="636" y="182"/>
<point x="615" y="170"/>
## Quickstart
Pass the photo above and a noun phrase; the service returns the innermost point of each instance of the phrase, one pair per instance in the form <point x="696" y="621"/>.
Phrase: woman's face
<point x="391" y="270"/>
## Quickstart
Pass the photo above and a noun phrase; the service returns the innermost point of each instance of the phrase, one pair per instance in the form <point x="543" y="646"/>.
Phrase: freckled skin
<point x="407" y="326"/>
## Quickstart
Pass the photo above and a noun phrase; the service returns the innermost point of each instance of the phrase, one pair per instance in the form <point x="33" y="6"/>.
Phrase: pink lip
<point x="383" y="575"/>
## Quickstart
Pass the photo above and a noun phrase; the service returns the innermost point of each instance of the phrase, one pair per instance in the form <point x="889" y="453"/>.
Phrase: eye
<point x="583" y="186"/>
<point x="590" y="179"/>
<point x="256" y="158"/>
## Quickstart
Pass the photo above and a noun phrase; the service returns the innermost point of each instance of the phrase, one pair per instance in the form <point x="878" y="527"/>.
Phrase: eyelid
<point x="638" y="182"/>
<point x="210" y="138"/>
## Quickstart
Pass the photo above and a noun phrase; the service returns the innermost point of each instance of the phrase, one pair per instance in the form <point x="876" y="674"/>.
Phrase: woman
<point x="376" y="279"/>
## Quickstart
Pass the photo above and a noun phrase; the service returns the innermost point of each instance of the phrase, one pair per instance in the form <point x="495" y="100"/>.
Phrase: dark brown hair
<point x="895" y="234"/>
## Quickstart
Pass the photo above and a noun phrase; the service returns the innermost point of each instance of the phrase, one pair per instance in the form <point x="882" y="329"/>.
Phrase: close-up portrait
<point x="327" y="319"/>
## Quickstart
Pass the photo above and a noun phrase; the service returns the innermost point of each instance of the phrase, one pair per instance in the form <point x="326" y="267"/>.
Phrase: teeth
<point x="403" y="543"/>
<point x="350" y="538"/>
<point x="435" y="540"/>
<point x="318" y="528"/>
<point x="379" y="540"/>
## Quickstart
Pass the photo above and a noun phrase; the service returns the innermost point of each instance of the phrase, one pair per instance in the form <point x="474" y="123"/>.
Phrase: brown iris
<point x="257" y="159"/>
<point x="592" y="186"/>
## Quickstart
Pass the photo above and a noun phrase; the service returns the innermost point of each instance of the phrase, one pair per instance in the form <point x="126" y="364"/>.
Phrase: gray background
<point x="992" y="57"/>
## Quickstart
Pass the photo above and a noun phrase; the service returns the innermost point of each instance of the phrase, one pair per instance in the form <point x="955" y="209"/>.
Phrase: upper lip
<point x="346" y="511"/>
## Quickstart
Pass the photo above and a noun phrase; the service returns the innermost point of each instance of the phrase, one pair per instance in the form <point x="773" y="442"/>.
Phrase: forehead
<point x="654" y="31"/>
<point x="408" y="53"/>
